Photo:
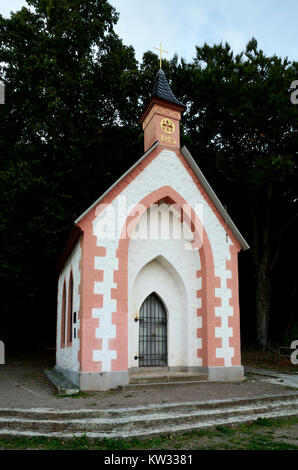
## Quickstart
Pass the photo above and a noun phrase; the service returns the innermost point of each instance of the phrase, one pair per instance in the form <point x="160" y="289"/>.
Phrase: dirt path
<point x="23" y="385"/>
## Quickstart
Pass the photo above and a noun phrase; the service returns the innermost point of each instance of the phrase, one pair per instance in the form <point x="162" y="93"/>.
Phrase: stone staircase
<point x="163" y="379"/>
<point x="143" y="421"/>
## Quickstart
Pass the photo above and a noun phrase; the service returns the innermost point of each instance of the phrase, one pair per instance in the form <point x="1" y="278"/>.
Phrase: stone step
<point x="182" y="407"/>
<point x="129" y="422"/>
<point x="160" y="385"/>
<point x="172" y="377"/>
<point x="150" y="421"/>
<point x="148" y="433"/>
<point x="61" y="383"/>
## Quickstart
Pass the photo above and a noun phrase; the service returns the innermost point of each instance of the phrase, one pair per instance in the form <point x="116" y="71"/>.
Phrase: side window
<point x="63" y="319"/>
<point x="70" y="309"/>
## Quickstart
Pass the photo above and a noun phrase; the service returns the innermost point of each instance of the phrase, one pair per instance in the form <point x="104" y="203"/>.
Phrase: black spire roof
<point x="163" y="90"/>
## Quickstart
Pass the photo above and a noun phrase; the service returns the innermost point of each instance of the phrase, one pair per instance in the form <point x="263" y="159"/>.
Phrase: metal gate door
<point x="153" y="333"/>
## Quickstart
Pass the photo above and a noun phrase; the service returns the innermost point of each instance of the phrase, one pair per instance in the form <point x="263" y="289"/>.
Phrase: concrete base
<point x="96" y="381"/>
<point x="101" y="381"/>
<point x="226" y="374"/>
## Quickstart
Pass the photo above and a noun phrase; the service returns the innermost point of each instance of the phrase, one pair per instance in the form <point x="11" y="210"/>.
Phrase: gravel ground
<point x="23" y="385"/>
<point x="288" y="435"/>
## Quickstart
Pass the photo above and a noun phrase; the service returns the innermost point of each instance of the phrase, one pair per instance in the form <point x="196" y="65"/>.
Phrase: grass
<point x="259" y="435"/>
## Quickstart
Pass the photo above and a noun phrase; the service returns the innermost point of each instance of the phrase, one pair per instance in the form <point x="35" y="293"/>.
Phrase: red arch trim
<point x="209" y="283"/>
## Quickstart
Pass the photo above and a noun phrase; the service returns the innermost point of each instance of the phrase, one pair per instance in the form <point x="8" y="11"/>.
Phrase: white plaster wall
<point x="106" y="330"/>
<point x="155" y="277"/>
<point x="169" y="269"/>
<point x="165" y="169"/>
<point x="67" y="358"/>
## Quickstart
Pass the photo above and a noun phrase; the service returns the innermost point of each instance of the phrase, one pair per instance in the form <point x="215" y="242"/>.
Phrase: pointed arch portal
<point x="153" y="333"/>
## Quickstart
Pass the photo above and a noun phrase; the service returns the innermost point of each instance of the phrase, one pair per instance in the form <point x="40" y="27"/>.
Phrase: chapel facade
<point x="149" y="276"/>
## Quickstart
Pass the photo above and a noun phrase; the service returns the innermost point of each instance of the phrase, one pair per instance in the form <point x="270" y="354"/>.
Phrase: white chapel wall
<point x="165" y="170"/>
<point x="167" y="267"/>
<point x="67" y="357"/>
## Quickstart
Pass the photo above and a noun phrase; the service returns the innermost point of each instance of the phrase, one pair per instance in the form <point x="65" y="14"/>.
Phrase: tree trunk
<point x="263" y="294"/>
<point x="265" y="252"/>
<point x="263" y="266"/>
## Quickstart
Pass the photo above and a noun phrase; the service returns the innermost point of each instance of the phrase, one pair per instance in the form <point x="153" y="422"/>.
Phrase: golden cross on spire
<point x="160" y="49"/>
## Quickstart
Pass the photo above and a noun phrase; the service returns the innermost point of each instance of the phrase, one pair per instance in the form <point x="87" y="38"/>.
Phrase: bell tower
<point x="161" y="117"/>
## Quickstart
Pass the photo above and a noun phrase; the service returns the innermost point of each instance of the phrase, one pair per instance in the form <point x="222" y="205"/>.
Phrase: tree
<point x="71" y="89"/>
<point x="240" y="120"/>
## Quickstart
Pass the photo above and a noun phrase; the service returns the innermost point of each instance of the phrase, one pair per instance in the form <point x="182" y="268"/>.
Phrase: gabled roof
<point x="201" y="178"/>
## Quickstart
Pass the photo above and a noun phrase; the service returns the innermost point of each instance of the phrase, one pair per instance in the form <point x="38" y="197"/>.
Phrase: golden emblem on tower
<point x="167" y="126"/>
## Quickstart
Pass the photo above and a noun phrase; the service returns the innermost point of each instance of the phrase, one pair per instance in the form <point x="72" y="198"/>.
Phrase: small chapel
<point x="148" y="279"/>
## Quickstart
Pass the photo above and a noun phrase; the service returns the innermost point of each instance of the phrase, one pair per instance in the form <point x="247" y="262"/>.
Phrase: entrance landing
<point x="162" y="376"/>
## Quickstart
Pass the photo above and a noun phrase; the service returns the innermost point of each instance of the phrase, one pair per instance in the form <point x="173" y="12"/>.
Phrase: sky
<point x="182" y="24"/>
